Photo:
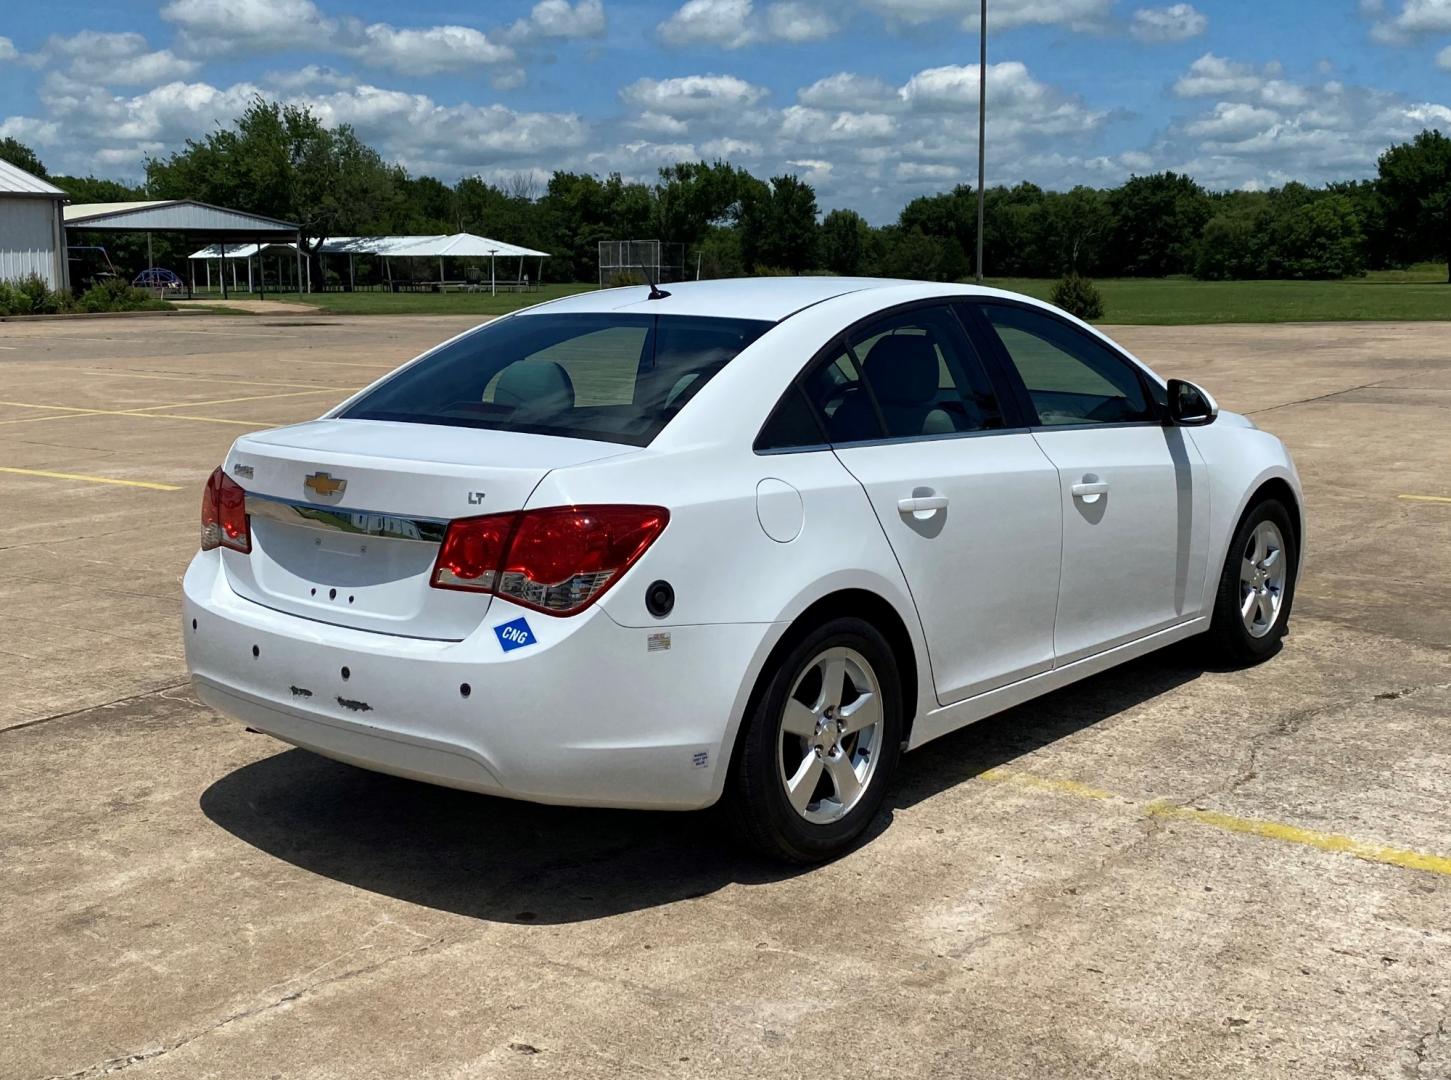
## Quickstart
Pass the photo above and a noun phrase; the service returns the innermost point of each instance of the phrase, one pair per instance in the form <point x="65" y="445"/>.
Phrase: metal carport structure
<point x="188" y="217"/>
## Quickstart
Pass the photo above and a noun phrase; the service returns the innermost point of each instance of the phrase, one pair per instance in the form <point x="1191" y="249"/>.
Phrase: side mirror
<point x="1190" y="406"/>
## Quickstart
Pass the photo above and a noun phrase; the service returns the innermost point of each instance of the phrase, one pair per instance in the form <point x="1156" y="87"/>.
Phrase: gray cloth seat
<point x="902" y="371"/>
<point x="535" y="388"/>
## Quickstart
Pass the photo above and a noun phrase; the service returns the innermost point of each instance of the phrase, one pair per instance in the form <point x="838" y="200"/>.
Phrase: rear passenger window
<point x="918" y="376"/>
<point x="791" y="426"/>
<point x="908" y="375"/>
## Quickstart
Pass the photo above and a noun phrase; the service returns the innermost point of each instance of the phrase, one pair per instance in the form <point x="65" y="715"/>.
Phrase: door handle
<point x="922" y="504"/>
<point x="1089" y="489"/>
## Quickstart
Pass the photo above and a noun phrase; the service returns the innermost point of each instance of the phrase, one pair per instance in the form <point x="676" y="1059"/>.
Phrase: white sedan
<point x="742" y="540"/>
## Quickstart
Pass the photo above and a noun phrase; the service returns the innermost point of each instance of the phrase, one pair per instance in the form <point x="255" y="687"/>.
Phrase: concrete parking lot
<point x="1168" y="871"/>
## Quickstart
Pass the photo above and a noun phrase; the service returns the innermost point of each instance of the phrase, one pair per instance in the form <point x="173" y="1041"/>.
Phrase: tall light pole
<point x="981" y="127"/>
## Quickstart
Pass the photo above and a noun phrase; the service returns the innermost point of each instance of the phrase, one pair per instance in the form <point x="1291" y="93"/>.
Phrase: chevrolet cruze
<point x="742" y="540"/>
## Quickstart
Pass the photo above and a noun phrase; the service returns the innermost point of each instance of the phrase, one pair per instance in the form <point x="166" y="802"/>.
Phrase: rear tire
<point x="819" y="746"/>
<point x="1256" y="587"/>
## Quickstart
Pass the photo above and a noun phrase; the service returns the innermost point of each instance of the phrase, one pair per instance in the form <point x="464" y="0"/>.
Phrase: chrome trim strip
<point x="345" y="520"/>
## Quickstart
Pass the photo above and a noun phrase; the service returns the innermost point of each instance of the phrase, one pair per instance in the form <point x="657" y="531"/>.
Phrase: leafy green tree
<point x="911" y="253"/>
<point x="1157" y="221"/>
<point x="845" y="241"/>
<point x="1415" y="179"/>
<point x="22" y="157"/>
<point x="283" y="162"/>
<point x="90" y="189"/>
<point x="580" y="210"/>
<point x="1319" y="238"/>
<point x="719" y="253"/>
<point x="1076" y="227"/>
<point x="778" y="225"/>
<point x="693" y="197"/>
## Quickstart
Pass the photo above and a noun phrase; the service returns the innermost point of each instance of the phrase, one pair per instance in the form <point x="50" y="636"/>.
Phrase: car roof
<point x="768" y="298"/>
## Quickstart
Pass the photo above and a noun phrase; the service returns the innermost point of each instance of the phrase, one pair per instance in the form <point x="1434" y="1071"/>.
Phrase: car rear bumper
<point x="592" y="713"/>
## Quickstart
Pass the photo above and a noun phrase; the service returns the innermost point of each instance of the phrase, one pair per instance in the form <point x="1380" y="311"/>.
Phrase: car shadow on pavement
<point x="508" y="861"/>
<point x="1001" y="739"/>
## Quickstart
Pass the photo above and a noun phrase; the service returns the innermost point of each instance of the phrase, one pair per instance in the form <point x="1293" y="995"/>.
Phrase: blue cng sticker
<point x="514" y="634"/>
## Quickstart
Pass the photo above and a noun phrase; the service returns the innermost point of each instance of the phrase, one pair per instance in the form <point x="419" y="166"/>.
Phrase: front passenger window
<point x="1071" y="377"/>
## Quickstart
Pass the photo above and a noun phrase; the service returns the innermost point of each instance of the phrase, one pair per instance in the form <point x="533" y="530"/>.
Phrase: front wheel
<point x="820" y="745"/>
<point x="1256" y="587"/>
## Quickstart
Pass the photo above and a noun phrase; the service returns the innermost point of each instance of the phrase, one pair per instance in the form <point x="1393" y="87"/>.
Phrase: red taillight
<point x="557" y="560"/>
<point x="224" y="514"/>
<point x="471" y="553"/>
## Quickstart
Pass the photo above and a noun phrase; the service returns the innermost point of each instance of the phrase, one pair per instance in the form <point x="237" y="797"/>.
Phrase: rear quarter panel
<point x="720" y="561"/>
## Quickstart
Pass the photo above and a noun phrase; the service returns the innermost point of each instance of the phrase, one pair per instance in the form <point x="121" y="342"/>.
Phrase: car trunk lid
<point x="346" y="516"/>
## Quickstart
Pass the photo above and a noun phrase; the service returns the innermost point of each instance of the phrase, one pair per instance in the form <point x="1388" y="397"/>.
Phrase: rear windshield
<point x="619" y="378"/>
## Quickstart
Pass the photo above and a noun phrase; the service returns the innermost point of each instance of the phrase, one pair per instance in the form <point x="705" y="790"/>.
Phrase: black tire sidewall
<point x="768" y="819"/>
<point x="1235" y="640"/>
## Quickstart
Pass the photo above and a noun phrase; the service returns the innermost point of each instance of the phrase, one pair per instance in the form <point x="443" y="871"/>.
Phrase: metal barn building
<point x="32" y="228"/>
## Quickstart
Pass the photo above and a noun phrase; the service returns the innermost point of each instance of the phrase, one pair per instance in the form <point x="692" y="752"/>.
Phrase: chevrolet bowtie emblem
<point x="323" y="484"/>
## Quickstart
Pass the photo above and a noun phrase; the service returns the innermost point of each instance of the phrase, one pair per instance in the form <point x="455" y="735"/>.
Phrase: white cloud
<point x="216" y="27"/>
<point x="733" y="24"/>
<point x="659" y="124"/>
<point x="8" y="51"/>
<point x="114" y="59"/>
<point x="1416" y="18"/>
<point x="725" y="23"/>
<point x="558" y="20"/>
<point x="936" y="173"/>
<point x="692" y="95"/>
<point x="801" y="122"/>
<point x="30" y="131"/>
<point x="795" y="21"/>
<point x="212" y="27"/>
<point x="845" y="90"/>
<point x="1016" y="100"/>
<point x="1231" y="120"/>
<point x="421" y="52"/>
<point x="1212" y="75"/>
<point x="1266" y="130"/>
<point x="310" y="77"/>
<point x="113" y="132"/>
<point x="1001" y="15"/>
<point x="1178" y="22"/>
<point x="1443" y="59"/>
<point x="728" y="148"/>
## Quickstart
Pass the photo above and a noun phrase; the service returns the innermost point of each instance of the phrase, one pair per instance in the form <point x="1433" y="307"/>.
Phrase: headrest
<point x="541" y="386"/>
<point x="902" y="369"/>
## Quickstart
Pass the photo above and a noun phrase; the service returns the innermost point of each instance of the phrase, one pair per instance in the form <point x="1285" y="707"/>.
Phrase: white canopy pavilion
<point x="439" y="247"/>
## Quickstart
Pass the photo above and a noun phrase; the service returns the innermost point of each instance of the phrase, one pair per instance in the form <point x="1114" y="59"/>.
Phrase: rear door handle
<point x="922" y="504"/>
<point x="1089" y="490"/>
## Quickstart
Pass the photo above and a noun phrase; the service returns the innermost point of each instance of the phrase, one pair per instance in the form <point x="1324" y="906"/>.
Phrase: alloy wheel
<point x="830" y="733"/>
<point x="1262" y="571"/>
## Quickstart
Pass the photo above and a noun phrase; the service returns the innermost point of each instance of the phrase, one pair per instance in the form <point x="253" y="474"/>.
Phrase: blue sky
<point x="873" y="101"/>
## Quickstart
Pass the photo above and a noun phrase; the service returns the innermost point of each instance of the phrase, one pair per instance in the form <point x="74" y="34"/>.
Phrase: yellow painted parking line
<point x="1425" y="498"/>
<point x="138" y="415"/>
<point x="245" y="380"/>
<point x="1045" y="783"/>
<point x="91" y="479"/>
<point x="1369" y="851"/>
<point x="231" y="400"/>
<point x="1293" y="834"/>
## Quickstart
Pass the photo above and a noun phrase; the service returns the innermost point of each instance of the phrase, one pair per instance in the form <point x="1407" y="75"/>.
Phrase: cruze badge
<point x="321" y="483"/>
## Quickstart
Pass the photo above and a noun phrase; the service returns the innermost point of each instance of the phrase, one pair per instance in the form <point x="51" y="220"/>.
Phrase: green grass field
<point x="1420" y="293"/>
<point x="427" y="303"/>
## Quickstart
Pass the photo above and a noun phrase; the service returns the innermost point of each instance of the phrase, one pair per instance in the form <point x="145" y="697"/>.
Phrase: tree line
<point x="282" y="161"/>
